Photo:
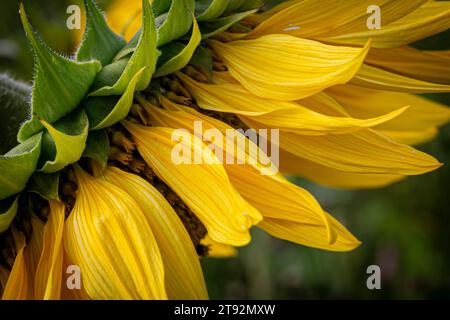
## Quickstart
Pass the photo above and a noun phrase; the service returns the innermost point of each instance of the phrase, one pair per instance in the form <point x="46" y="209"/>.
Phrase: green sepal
<point x="97" y="147"/>
<point x="203" y="60"/>
<point x="210" y="9"/>
<point x="176" y="22"/>
<point x="8" y="210"/>
<point x="45" y="184"/>
<point x="176" y="59"/>
<point x="145" y="55"/>
<point x="234" y="5"/>
<point x="215" y="26"/>
<point x="251" y="4"/>
<point x="64" y="141"/>
<point x="60" y="83"/>
<point x="105" y="111"/>
<point x="160" y="6"/>
<point x="15" y="108"/>
<point x="18" y="164"/>
<point x="99" y="41"/>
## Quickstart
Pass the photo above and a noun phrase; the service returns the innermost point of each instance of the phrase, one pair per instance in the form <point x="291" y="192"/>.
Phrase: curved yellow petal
<point x="125" y="17"/>
<point x="214" y="201"/>
<point x="325" y="18"/>
<point x="368" y="103"/>
<point x="313" y="235"/>
<point x="18" y="286"/>
<point x="410" y="62"/>
<point x="271" y="194"/>
<point x="269" y="113"/>
<point x="411" y="138"/>
<point x="33" y="250"/>
<point x="48" y="279"/>
<point x="218" y="250"/>
<point x="294" y="68"/>
<point x="376" y="78"/>
<point x="364" y="151"/>
<point x="329" y="177"/>
<point x="430" y="18"/>
<point x="184" y="278"/>
<point x="107" y="236"/>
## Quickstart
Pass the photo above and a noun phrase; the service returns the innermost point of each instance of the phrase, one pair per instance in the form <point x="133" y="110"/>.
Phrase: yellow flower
<point x="341" y="97"/>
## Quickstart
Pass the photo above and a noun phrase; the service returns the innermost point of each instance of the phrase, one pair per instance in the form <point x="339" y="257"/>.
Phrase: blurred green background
<point x="405" y="228"/>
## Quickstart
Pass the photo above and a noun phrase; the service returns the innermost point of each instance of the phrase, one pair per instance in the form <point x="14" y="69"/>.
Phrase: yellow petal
<point x="218" y="250"/>
<point x="364" y="151"/>
<point x="184" y="278"/>
<point x="108" y="237"/>
<point x="18" y="285"/>
<point x="267" y="113"/>
<point x="48" y="279"/>
<point x="314" y="236"/>
<point x="125" y="17"/>
<point x="319" y="19"/>
<point x="368" y="103"/>
<point x="271" y="194"/>
<point x="376" y="78"/>
<point x="329" y="177"/>
<point x="286" y="68"/>
<point x="214" y="201"/>
<point x="411" y="138"/>
<point x="431" y="18"/>
<point x="412" y="63"/>
<point x="33" y="250"/>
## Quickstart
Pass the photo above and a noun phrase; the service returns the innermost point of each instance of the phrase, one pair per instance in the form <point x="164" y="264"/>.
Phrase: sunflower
<point x="94" y="205"/>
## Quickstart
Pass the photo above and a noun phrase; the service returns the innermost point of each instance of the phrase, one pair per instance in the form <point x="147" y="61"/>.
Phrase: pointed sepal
<point x="215" y="26"/>
<point x="59" y="85"/>
<point x="99" y="41"/>
<point x="176" y="22"/>
<point x="8" y="210"/>
<point x="97" y="147"/>
<point x="45" y="184"/>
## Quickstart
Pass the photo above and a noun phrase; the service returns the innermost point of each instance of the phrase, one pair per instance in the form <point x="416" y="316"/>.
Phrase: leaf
<point x="251" y="4"/>
<point x="15" y="106"/>
<point x="210" y="9"/>
<point x="99" y="41"/>
<point x="17" y="165"/>
<point x="60" y="83"/>
<point x="176" y="22"/>
<point x="105" y="111"/>
<point x="8" y="210"/>
<point x="182" y="57"/>
<point x="145" y="55"/>
<point x="97" y="147"/>
<point x="45" y="184"/>
<point x="203" y="60"/>
<point x="234" y="5"/>
<point x="215" y="26"/>
<point x="64" y="142"/>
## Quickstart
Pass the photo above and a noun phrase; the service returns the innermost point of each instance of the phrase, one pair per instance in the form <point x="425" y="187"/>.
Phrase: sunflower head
<point x="166" y="137"/>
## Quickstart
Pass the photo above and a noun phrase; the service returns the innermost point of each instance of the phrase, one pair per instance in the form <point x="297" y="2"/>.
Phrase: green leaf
<point x="176" y="22"/>
<point x="60" y="83"/>
<point x="105" y="111"/>
<point x="17" y="165"/>
<point x="210" y="9"/>
<point x="203" y="60"/>
<point x="99" y="41"/>
<point x="145" y="55"/>
<point x="45" y="184"/>
<point x="215" y="26"/>
<point x="15" y="108"/>
<point x="8" y="210"/>
<point x="97" y="147"/>
<point x="64" y="142"/>
<point x="182" y="57"/>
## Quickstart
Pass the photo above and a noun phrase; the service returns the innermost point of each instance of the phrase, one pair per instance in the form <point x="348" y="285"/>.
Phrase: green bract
<point x="64" y="115"/>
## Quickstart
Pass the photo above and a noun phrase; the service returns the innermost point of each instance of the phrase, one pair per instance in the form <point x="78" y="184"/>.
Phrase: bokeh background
<point x="405" y="228"/>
